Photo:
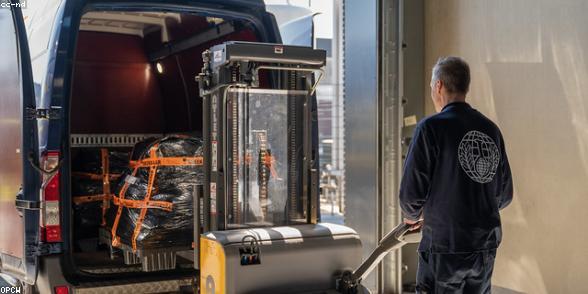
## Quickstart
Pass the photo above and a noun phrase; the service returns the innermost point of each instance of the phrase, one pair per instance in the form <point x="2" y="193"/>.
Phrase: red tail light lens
<point x="51" y="188"/>
<point x="51" y="219"/>
<point x="61" y="290"/>
<point x="52" y="234"/>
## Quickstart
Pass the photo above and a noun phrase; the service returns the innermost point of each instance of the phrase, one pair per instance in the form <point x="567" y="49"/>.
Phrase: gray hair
<point x="454" y="72"/>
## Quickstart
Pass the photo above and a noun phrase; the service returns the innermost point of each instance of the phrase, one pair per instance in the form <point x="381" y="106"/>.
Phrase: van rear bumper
<point x="51" y="275"/>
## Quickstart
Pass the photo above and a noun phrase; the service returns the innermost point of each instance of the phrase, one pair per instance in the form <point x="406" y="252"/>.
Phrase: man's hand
<point x="414" y="224"/>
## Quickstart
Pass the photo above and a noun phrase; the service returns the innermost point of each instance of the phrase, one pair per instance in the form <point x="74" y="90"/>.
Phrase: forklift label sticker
<point x="214" y="118"/>
<point x="410" y="121"/>
<point x="213" y="197"/>
<point x="214" y="156"/>
<point x="218" y="56"/>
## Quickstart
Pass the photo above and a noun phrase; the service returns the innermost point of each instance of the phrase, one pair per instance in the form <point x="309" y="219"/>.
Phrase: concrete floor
<point x="3" y="283"/>
<point x="330" y="212"/>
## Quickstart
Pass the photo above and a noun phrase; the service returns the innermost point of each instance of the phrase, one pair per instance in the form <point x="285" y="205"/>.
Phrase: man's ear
<point x="438" y="86"/>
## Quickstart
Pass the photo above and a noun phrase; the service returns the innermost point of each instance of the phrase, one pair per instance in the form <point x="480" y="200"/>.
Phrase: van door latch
<point x="43" y="113"/>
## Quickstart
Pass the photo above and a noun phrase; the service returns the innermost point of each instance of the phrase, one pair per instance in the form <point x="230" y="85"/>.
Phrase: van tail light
<point x="61" y="290"/>
<point x="51" y="218"/>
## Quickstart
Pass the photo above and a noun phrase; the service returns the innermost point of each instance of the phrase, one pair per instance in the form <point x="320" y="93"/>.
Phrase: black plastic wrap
<point x="88" y="215"/>
<point x="175" y="184"/>
<point x="89" y="160"/>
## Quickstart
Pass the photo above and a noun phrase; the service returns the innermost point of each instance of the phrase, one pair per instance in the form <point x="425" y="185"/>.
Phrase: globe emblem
<point x="478" y="156"/>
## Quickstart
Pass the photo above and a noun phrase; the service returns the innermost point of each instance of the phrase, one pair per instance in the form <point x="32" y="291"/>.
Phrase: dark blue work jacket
<point x="457" y="177"/>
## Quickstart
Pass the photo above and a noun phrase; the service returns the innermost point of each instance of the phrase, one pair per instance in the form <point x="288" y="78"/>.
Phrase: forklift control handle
<point x="348" y="282"/>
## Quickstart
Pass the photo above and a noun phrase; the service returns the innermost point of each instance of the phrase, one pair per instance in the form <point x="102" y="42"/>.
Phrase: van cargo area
<point x="133" y="79"/>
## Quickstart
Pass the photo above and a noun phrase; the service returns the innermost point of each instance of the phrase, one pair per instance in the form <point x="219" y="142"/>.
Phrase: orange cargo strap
<point x="105" y="176"/>
<point x="123" y="191"/>
<point x="89" y="198"/>
<point x="269" y="160"/>
<point x="169" y="161"/>
<point x="105" y="183"/>
<point x="152" y="162"/>
<point x="167" y="206"/>
<point x="94" y="177"/>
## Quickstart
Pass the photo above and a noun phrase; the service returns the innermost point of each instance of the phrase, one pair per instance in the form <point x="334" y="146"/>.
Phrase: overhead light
<point x="159" y="68"/>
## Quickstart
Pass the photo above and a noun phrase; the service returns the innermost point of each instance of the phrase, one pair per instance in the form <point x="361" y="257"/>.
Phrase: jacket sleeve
<point x="506" y="186"/>
<point x="417" y="176"/>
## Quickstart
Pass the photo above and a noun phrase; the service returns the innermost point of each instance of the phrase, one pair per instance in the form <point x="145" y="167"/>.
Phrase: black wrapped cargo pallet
<point x="95" y="171"/>
<point x="151" y="216"/>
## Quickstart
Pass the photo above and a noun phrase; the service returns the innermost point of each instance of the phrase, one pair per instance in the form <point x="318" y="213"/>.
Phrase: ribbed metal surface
<point x="151" y="260"/>
<point x="112" y="269"/>
<point x="165" y="286"/>
<point x="389" y="130"/>
<point x="108" y="140"/>
<point x="158" y="260"/>
<point x="130" y="257"/>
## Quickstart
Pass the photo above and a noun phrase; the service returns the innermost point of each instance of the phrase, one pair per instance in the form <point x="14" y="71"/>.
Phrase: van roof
<point x="247" y="3"/>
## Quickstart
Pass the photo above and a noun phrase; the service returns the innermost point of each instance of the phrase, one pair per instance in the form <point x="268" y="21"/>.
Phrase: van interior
<point x="134" y="74"/>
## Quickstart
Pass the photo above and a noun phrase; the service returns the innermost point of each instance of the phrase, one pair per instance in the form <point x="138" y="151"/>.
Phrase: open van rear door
<point x="19" y="181"/>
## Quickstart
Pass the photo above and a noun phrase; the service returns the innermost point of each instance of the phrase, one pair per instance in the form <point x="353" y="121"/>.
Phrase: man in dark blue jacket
<point x="456" y="179"/>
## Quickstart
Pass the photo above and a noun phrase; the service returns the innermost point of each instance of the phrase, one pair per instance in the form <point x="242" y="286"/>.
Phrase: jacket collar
<point x="454" y="105"/>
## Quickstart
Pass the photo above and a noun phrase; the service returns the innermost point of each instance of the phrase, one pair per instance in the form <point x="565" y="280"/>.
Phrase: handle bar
<point x="394" y="240"/>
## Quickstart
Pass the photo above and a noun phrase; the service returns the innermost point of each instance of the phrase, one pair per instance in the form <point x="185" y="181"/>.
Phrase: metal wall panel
<point x="373" y="91"/>
<point x="361" y="140"/>
<point x="11" y="169"/>
<point x="414" y="101"/>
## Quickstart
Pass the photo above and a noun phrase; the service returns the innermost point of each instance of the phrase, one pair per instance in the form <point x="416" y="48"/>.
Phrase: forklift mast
<point x="260" y="153"/>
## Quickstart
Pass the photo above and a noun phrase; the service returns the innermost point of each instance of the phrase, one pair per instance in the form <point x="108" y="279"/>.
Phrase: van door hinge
<point x="28" y="204"/>
<point x="43" y="113"/>
<point x="42" y="249"/>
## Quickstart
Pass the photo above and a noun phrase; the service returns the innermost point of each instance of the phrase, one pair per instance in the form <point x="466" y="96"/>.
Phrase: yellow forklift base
<point x="289" y="259"/>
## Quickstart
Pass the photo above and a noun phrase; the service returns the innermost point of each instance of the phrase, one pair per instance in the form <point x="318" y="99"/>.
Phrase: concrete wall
<point x="529" y="61"/>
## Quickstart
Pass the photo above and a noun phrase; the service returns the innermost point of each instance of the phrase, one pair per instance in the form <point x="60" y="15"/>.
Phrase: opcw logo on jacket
<point x="478" y="156"/>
